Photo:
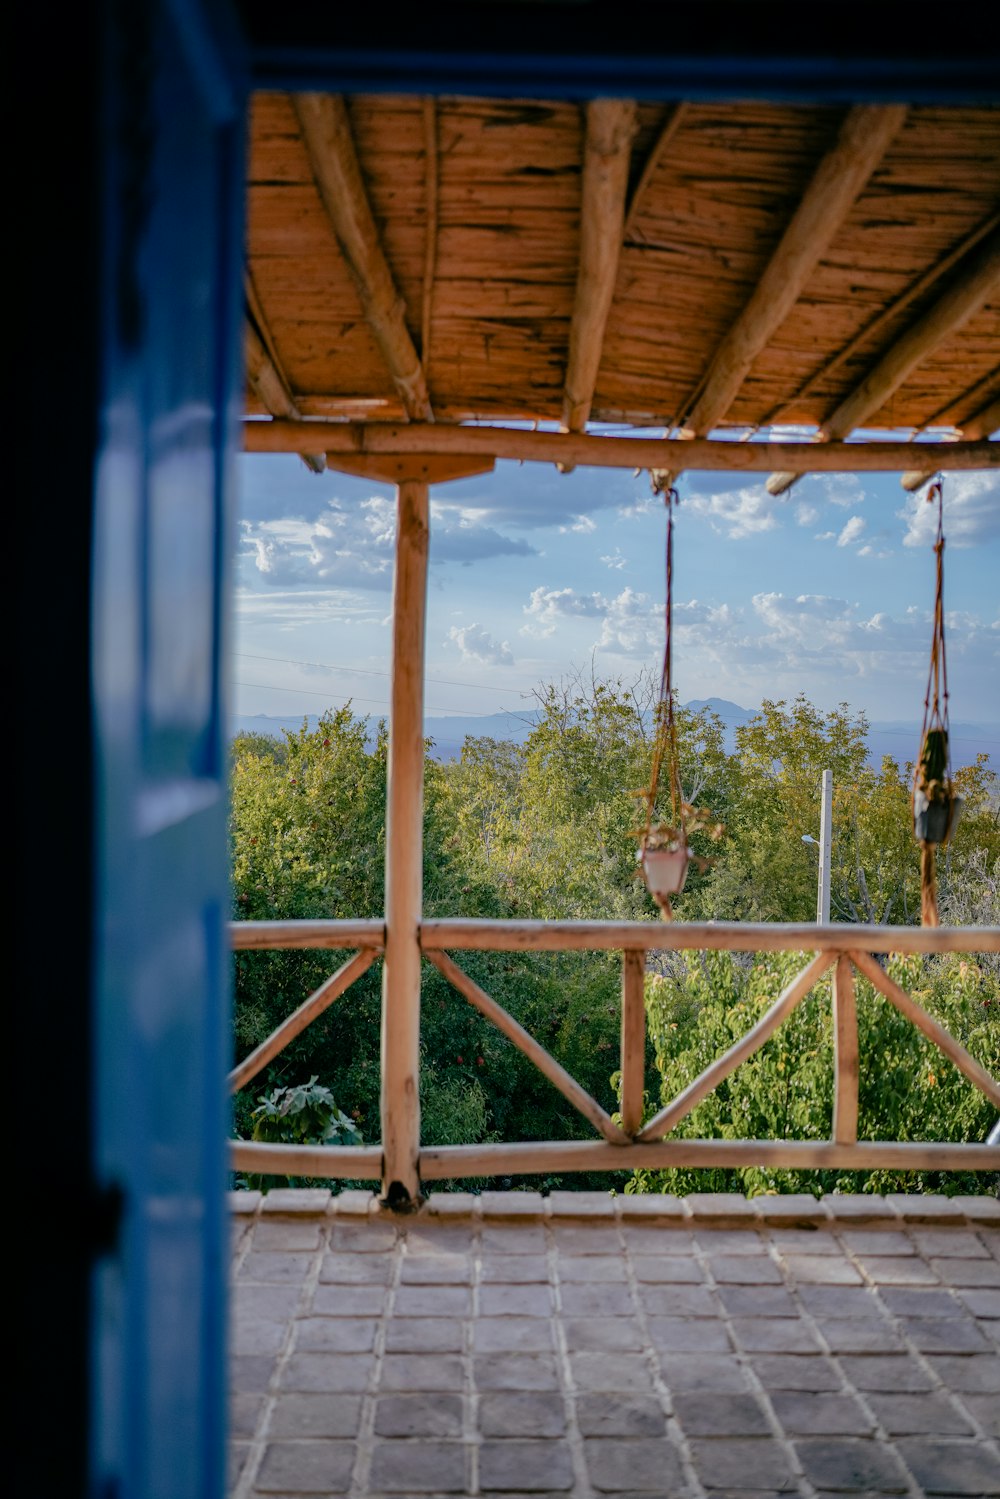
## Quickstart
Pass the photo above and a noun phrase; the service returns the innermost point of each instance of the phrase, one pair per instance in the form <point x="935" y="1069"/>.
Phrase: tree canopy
<point x="546" y="829"/>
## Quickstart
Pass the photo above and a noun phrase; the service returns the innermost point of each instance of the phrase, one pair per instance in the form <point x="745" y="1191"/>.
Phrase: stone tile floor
<point x="585" y="1345"/>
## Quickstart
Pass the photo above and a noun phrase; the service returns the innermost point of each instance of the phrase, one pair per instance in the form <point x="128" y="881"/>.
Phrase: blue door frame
<point x="133" y="230"/>
<point x="174" y="120"/>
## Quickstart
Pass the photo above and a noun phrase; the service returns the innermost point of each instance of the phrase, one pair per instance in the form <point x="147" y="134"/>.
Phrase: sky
<point x="827" y="590"/>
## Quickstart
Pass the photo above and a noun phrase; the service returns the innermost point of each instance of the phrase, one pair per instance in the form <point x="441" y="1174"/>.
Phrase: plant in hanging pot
<point x="665" y="853"/>
<point x="936" y="804"/>
<point x="664" y="849"/>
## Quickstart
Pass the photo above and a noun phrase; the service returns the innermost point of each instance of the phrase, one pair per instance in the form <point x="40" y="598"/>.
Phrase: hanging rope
<point x="932" y="773"/>
<point x="665" y="742"/>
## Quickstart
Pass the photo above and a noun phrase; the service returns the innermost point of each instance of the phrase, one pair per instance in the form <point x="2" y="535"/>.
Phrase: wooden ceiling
<point x="689" y="266"/>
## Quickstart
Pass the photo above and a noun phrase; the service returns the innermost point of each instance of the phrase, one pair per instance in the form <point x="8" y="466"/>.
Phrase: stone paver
<point x="590" y="1345"/>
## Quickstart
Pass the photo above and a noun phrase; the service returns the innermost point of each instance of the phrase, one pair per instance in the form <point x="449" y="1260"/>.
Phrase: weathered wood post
<point x="404" y="810"/>
<point x="404" y="854"/>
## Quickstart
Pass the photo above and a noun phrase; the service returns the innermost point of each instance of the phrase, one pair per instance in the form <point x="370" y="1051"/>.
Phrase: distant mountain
<point x="894" y="737"/>
<point x="730" y="713"/>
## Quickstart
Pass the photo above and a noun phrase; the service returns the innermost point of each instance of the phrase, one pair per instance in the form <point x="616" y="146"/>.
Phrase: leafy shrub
<point x="302" y="1114"/>
<point x="908" y="1089"/>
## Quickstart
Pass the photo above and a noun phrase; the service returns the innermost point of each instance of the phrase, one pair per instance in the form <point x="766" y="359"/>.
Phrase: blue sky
<point x="826" y="590"/>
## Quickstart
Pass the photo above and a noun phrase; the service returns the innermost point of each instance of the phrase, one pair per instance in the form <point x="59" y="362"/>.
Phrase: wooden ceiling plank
<point x="981" y="425"/>
<point x="872" y="329"/>
<point x="611" y="126"/>
<point x="360" y="439"/>
<point x="841" y="176"/>
<point x="970" y="400"/>
<point x="329" y="143"/>
<point x="430" y="233"/>
<point x="964" y="297"/>
<point x="265" y="374"/>
<point x="671" y="125"/>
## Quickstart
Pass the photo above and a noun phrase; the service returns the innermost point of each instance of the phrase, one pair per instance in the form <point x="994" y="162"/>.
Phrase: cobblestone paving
<point x="509" y="1345"/>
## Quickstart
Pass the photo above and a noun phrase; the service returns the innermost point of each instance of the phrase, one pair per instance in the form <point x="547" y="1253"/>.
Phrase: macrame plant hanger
<point x="663" y="850"/>
<point x="934" y="803"/>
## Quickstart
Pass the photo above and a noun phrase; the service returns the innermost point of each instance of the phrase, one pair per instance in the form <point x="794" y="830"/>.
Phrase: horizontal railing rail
<point x="847" y="950"/>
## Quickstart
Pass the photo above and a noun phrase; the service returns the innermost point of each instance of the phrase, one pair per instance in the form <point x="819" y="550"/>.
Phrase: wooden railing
<point x="846" y="949"/>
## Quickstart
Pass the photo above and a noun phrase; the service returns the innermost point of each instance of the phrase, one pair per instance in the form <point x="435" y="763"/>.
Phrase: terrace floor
<point x="588" y="1345"/>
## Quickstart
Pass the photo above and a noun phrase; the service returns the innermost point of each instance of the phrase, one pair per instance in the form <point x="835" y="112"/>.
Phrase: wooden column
<point x="633" y="1039"/>
<point x="846" y="1064"/>
<point x="412" y="473"/>
<point x="404" y="855"/>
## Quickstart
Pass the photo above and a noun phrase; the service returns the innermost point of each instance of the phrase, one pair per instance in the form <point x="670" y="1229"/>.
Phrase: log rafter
<point x="329" y="142"/>
<point x="431" y="231"/>
<point x="964" y="297"/>
<point x="611" y="126"/>
<point x="265" y="373"/>
<point x="981" y="425"/>
<point x="874" y="327"/>
<point x="564" y="448"/>
<point x="840" y="177"/>
<point x="673" y="122"/>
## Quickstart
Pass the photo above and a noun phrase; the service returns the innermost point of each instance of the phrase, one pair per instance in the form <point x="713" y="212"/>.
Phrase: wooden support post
<point x="845" y="1054"/>
<point x="404" y="855"/>
<point x="633" y="1039"/>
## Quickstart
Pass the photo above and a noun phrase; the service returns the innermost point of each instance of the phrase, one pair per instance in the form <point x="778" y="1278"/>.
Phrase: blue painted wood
<point x="172" y="279"/>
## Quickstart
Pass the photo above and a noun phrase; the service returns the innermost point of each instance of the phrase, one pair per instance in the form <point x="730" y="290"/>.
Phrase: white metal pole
<point x="404" y="855"/>
<point x="825" y="839"/>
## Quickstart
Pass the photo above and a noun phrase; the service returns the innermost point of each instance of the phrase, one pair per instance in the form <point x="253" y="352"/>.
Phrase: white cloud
<point x="806" y="515"/>
<point x="638" y="508"/>
<point x="971" y="512"/>
<point x="736" y="513"/>
<point x="852" y="530"/>
<point x="582" y="524"/>
<point x="615" y="560"/>
<point x="844" y="490"/>
<point x="548" y="605"/>
<point x="633" y="625"/>
<point x="479" y="645"/>
<point x="352" y="546"/>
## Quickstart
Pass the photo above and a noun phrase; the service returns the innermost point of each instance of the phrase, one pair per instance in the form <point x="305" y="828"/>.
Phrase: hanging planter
<point x="935" y="803"/>
<point x="665" y="868"/>
<point x="664" y="852"/>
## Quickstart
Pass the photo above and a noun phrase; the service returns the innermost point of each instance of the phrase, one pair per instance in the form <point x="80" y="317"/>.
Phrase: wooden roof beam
<point x="611" y="125"/>
<point x="271" y="387"/>
<point x="882" y="319"/>
<point x="354" y="440"/>
<point x="672" y="123"/>
<point x="963" y="299"/>
<point x="329" y="143"/>
<point x="981" y="425"/>
<point x="863" y="138"/>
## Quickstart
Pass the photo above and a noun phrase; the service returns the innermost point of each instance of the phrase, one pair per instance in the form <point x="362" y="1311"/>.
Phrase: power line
<point x="377" y="701"/>
<point x="367" y="671"/>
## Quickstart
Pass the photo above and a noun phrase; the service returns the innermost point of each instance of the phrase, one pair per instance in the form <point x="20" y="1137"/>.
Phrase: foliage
<point x="542" y="830"/>
<point x="303" y="1114"/>
<point x="908" y="1090"/>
